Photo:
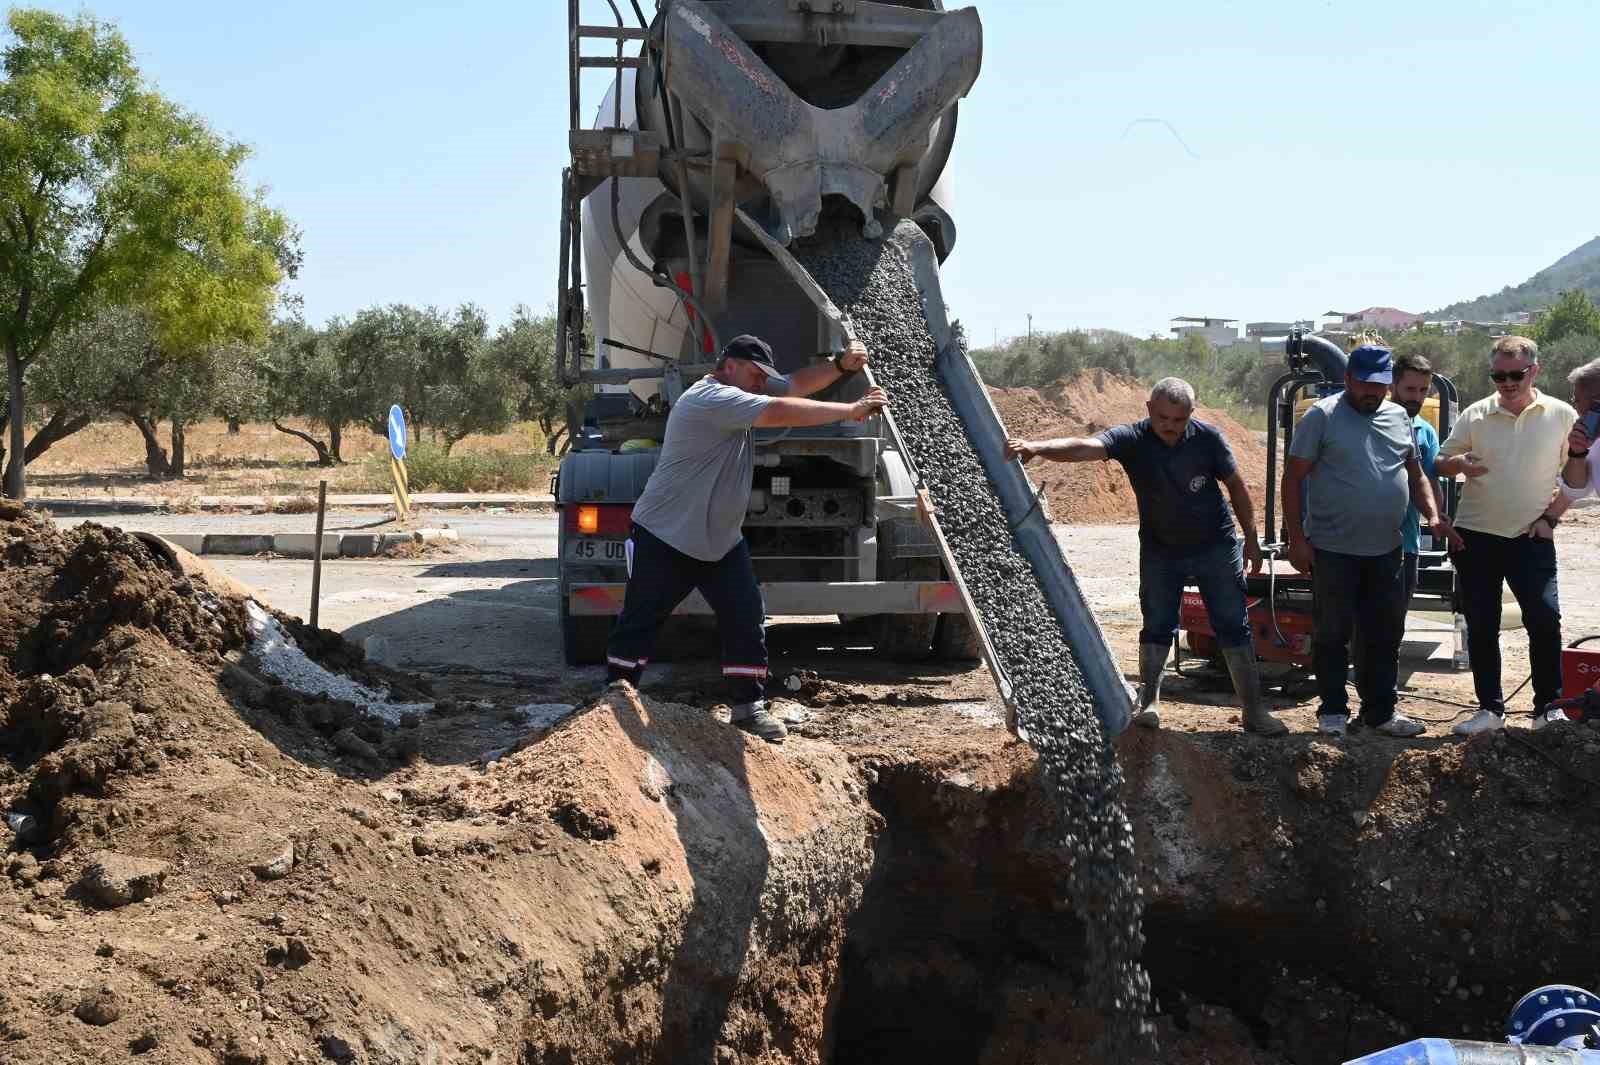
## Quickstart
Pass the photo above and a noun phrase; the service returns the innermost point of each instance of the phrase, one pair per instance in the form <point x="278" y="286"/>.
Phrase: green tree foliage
<point x="525" y="349"/>
<point x="1572" y="314"/>
<point x="110" y="194"/>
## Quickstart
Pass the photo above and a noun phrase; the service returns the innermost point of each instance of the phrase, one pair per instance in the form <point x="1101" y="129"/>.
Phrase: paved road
<point x="490" y="602"/>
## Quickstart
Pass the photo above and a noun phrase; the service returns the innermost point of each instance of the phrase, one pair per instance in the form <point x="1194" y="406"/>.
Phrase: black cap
<point x="752" y="349"/>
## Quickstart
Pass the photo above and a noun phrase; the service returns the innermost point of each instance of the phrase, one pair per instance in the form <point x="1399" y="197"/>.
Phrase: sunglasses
<point x="1502" y="376"/>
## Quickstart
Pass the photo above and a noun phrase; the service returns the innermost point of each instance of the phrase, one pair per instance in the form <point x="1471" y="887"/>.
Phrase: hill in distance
<point x="1579" y="268"/>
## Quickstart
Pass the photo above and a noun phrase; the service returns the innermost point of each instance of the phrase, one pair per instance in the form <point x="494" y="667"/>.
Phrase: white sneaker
<point x="1332" y="724"/>
<point x="1550" y="717"/>
<point x="1482" y="721"/>
<point x="1401" y="726"/>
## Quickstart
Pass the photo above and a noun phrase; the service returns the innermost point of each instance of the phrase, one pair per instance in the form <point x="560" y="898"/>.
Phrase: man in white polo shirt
<point x="1511" y="445"/>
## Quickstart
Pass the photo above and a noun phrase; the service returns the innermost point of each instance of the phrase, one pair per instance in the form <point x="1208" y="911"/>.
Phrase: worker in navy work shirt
<point x="1177" y="467"/>
<point x="688" y="524"/>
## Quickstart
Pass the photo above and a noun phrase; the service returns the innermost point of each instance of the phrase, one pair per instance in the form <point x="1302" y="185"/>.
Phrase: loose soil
<point x="1086" y="403"/>
<point x="226" y="871"/>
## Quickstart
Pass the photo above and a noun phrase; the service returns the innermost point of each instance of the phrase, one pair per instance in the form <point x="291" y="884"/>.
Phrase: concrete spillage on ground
<point x="872" y="283"/>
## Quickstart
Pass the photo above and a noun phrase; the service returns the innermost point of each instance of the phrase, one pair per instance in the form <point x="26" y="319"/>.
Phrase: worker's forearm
<point x="1422" y="498"/>
<point x="809" y="380"/>
<point x="1576" y="473"/>
<point x="1245" y="511"/>
<point x="1449" y="467"/>
<point x="1071" y="449"/>
<point x="789" y="412"/>
<point x="1291" y="506"/>
<point x="1558" y="505"/>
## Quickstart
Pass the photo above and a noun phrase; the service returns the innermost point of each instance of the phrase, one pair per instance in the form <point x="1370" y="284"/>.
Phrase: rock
<point x="277" y="865"/>
<point x="420" y="846"/>
<point x="99" y="1008"/>
<point x="146" y="1042"/>
<point x="299" y="953"/>
<point x="346" y="741"/>
<point x="335" y="1046"/>
<point x="104" y="950"/>
<point x="111" y="880"/>
<point x="24" y="869"/>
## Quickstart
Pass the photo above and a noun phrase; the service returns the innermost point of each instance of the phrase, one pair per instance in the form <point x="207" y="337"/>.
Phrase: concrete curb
<point x="303" y="545"/>
<point x="88" y="505"/>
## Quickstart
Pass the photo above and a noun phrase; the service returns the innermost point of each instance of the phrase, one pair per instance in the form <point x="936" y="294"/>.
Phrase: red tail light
<point x="599" y="519"/>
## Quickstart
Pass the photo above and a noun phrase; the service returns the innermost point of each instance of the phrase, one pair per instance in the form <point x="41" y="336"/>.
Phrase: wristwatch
<point x="1571" y="454"/>
<point x="1548" y="520"/>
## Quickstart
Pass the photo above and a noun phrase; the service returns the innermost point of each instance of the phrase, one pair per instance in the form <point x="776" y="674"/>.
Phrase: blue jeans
<point x="660" y="579"/>
<point x="1528" y="565"/>
<point x="1218" y="572"/>
<point x="1344" y="588"/>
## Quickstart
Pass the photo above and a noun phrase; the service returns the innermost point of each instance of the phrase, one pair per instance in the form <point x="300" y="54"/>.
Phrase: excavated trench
<point x="1305" y="903"/>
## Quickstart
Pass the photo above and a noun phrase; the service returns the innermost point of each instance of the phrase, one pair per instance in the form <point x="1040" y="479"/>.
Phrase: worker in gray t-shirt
<point x="1354" y="459"/>
<point x="687" y="526"/>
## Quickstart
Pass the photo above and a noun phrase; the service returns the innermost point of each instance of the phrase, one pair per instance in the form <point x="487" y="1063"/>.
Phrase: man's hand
<point x="871" y="403"/>
<point x="1300" y="553"/>
<point x="1579" y="438"/>
<point x="1252" y="555"/>
<point x="1472" y="465"/>
<point x="1020" y="449"/>
<point x="1542" y="529"/>
<point x="854" y="357"/>
<point x="1443" y="530"/>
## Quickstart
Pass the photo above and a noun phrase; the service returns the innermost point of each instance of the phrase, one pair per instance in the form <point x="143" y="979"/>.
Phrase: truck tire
<point x="955" y="640"/>
<point x="583" y="639"/>
<point x="906" y="637"/>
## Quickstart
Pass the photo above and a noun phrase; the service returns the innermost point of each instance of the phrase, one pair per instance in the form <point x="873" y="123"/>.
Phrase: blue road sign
<point x="397" y="432"/>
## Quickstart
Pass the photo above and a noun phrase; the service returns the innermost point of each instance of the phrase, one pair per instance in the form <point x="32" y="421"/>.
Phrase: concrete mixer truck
<point x="729" y="129"/>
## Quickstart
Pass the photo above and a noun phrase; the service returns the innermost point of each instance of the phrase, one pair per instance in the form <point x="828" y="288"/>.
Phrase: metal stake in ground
<point x="316" y="551"/>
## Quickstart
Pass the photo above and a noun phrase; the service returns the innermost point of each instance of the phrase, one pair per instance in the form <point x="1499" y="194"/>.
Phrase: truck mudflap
<point x="798" y="598"/>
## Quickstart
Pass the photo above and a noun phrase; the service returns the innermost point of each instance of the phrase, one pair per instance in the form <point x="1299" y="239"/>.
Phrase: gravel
<point x="872" y="282"/>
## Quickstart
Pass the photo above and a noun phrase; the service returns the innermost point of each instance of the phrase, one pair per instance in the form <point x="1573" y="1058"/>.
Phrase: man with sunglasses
<point x="1511" y="445"/>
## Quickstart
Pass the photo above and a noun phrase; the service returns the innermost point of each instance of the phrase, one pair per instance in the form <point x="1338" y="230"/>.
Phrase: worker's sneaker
<point x="1150" y="718"/>
<point x="1550" y="717"/>
<point x="1402" y="726"/>
<point x="757" y="720"/>
<point x="1332" y="724"/>
<point x="1482" y="721"/>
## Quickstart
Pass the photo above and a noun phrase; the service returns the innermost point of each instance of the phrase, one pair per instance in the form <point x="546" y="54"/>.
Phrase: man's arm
<point x="782" y="412"/>
<point x="1575" y="473"/>
<point x="1244" y="510"/>
<point x="1065" y="449"/>
<point x="810" y="380"/>
<point x="1426" y="500"/>
<point x="1295" y="472"/>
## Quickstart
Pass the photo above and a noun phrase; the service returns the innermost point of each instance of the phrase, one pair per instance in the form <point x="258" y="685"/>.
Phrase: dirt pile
<point x="1094" y="492"/>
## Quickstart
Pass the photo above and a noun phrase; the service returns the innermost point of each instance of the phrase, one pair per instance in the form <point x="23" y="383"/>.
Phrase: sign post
<point x="397" y="463"/>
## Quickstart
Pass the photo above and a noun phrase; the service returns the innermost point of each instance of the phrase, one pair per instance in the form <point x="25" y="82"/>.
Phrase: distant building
<point x="1218" y="332"/>
<point x="1388" y="319"/>
<point x="1257" y="330"/>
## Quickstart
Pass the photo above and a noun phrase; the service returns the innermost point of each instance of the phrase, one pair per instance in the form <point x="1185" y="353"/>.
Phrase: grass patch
<point x="429" y="469"/>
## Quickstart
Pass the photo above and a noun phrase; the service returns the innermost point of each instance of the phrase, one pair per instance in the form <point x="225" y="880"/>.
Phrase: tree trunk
<point x="233" y="426"/>
<point x="57" y="429"/>
<point x="175" y="469"/>
<point x="325" y="457"/>
<point x="155" y="456"/>
<point x="335" y="439"/>
<point x="16" y="486"/>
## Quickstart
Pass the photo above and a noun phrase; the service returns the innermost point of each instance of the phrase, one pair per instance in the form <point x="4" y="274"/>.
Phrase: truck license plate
<point x="599" y="551"/>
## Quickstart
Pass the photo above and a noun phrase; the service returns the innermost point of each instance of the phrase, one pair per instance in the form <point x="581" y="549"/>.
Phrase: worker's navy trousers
<point x="1346" y="588"/>
<point x="658" y="580"/>
<point x="1528" y="565"/>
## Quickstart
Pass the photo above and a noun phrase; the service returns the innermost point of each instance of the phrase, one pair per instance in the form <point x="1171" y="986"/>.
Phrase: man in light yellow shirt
<point x="1512" y="446"/>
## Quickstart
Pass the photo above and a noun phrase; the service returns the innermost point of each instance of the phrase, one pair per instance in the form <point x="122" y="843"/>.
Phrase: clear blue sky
<point x="1338" y="154"/>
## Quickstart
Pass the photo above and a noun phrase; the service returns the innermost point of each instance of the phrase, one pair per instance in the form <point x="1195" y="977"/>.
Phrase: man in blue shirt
<point x="1176" y="465"/>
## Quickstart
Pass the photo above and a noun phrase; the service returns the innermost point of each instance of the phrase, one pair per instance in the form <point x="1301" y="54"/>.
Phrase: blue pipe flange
<point x="1554" y="1015"/>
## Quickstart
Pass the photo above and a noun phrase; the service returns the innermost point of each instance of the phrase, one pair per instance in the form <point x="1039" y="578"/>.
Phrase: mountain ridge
<point x="1579" y="268"/>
